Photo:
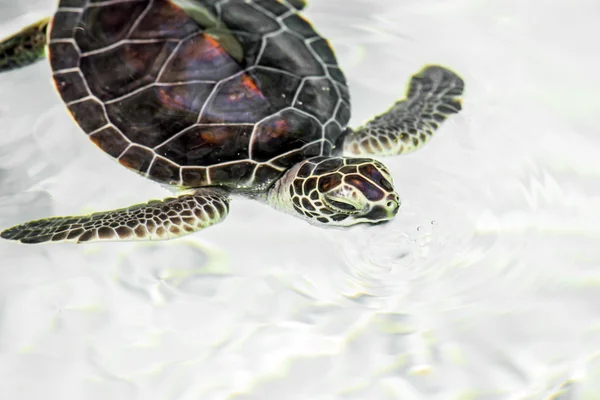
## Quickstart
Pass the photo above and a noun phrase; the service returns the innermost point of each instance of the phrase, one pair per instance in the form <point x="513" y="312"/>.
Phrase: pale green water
<point x="485" y="287"/>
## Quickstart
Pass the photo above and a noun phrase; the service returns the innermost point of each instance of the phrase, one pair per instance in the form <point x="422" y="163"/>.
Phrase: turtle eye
<point x="342" y="206"/>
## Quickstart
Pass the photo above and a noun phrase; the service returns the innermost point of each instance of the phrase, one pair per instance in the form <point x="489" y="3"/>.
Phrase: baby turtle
<point x="218" y="98"/>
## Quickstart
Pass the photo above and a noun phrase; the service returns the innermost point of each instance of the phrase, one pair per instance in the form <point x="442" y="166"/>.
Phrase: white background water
<point x="486" y="286"/>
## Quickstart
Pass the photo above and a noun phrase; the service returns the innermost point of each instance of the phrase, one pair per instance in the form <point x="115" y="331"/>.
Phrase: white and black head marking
<point x="344" y="191"/>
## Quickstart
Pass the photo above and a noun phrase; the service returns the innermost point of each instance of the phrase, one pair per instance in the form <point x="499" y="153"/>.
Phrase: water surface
<point x="486" y="285"/>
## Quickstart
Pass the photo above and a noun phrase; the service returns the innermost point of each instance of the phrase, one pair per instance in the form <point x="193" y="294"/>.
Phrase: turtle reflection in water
<point x="218" y="98"/>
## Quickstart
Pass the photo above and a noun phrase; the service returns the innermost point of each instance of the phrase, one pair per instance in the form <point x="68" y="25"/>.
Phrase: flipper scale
<point x="24" y="47"/>
<point x="155" y="220"/>
<point x="433" y="95"/>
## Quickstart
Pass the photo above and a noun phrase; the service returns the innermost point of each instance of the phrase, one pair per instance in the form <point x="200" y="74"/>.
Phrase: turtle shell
<point x="223" y="92"/>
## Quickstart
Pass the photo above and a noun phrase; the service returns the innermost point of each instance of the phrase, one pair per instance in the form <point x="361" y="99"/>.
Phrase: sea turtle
<point x="217" y="98"/>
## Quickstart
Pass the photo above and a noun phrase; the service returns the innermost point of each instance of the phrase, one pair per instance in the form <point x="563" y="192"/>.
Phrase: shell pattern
<point x="233" y="93"/>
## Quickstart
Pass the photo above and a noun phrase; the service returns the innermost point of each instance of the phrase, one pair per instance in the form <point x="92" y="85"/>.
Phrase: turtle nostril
<point x="393" y="206"/>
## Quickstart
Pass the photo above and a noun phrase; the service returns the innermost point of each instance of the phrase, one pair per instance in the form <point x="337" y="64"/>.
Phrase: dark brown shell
<point x="233" y="96"/>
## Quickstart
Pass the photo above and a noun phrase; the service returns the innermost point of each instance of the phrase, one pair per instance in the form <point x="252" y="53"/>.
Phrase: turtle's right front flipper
<point x="433" y="95"/>
<point x="24" y="47"/>
<point x="155" y="220"/>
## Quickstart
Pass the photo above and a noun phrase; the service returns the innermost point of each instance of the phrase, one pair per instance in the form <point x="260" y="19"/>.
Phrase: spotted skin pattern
<point x="156" y="220"/>
<point x="24" y="47"/>
<point x="433" y="95"/>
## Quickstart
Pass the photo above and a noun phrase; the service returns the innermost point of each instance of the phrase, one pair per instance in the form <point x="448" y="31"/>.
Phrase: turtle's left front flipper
<point x="433" y="95"/>
<point x="155" y="220"/>
<point x="24" y="47"/>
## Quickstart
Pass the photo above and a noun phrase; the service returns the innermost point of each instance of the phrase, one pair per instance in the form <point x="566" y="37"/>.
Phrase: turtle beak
<point x="383" y="213"/>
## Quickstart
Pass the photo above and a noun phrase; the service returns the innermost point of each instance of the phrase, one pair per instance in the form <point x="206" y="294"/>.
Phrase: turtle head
<point x="339" y="191"/>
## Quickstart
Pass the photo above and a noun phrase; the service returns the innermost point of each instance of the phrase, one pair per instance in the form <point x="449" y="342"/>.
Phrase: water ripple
<point x="485" y="285"/>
